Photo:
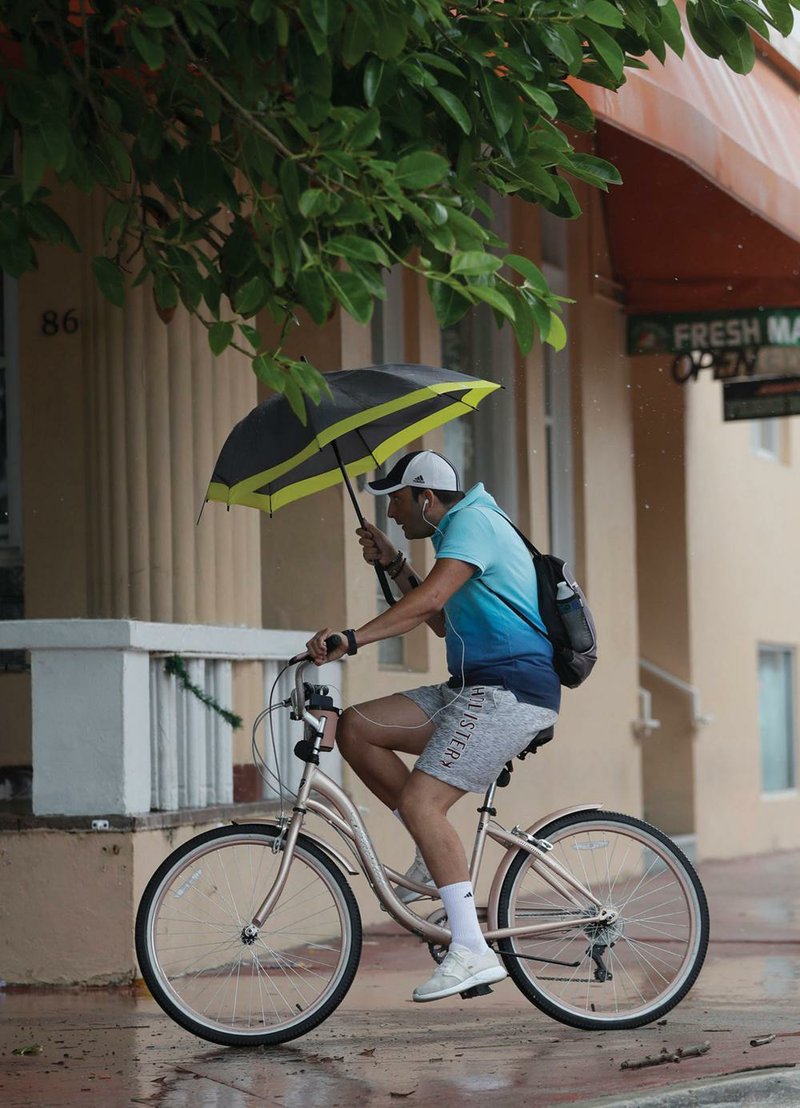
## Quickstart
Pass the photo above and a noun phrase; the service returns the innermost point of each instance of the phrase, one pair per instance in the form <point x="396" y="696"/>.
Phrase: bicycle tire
<point x="238" y="990"/>
<point x="650" y="956"/>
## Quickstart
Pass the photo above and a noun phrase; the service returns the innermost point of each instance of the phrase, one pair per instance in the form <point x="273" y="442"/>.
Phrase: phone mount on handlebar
<point x="314" y="706"/>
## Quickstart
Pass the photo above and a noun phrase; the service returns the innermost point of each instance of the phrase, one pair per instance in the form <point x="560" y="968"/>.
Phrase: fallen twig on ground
<point x="668" y="1056"/>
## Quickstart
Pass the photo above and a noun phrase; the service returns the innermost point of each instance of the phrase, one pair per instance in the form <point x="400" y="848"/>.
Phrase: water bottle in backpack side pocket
<point x="570" y="608"/>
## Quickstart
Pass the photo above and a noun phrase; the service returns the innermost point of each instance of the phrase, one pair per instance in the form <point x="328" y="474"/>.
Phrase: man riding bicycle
<point x="502" y="688"/>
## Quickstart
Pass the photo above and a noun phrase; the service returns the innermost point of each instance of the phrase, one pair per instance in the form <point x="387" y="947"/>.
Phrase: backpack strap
<point x="534" y="554"/>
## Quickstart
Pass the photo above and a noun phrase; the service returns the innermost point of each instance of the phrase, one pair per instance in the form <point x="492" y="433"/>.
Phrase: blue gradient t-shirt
<point x="499" y="647"/>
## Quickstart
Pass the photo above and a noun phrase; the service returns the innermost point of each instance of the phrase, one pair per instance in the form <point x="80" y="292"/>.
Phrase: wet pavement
<point x="115" y="1047"/>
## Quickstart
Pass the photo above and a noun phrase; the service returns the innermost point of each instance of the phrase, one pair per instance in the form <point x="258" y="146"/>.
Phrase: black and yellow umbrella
<point x="271" y="459"/>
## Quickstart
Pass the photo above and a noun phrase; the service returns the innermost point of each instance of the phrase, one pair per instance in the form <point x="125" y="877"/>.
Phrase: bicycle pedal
<point x="476" y="990"/>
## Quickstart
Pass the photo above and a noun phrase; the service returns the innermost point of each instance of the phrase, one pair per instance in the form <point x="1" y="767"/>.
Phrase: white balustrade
<point x="100" y="687"/>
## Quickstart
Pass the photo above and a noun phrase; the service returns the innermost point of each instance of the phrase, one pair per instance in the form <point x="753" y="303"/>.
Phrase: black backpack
<point x="573" y="660"/>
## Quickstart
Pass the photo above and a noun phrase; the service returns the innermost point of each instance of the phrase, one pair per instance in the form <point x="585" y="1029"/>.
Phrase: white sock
<point x="397" y="815"/>
<point x="462" y="916"/>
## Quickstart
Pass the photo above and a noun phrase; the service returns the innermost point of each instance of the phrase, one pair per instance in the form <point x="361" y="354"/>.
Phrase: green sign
<point x="713" y="331"/>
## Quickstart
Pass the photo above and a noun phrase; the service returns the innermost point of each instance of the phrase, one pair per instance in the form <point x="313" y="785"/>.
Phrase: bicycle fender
<point x="511" y="853"/>
<point x="331" y="851"/>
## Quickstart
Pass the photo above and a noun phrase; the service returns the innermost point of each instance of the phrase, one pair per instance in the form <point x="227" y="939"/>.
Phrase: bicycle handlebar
<point x="331" y="643"/>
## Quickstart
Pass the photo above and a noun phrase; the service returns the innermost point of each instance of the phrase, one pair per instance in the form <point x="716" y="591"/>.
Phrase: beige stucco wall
<point x="743" y="542"/>
<point x="663" y="591"/>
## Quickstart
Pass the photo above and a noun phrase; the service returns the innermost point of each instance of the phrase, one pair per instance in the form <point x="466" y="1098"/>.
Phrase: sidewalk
<point x="115" y="1048"/>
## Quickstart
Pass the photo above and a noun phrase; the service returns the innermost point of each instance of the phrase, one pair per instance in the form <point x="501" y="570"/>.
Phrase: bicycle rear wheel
<point x="234" y="988"/>
<point x="618" y="975"/>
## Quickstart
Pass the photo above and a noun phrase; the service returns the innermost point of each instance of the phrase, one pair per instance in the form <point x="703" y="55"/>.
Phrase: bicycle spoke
<point x="220" y="978"/>
<point x="641" y="959"/>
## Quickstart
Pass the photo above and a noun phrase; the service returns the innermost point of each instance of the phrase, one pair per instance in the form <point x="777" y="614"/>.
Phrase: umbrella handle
<point x="381" y="572"/>
<point x="387" y="592"/>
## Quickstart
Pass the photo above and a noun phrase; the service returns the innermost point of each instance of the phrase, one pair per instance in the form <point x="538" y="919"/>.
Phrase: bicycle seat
<point x="539" y="739"/>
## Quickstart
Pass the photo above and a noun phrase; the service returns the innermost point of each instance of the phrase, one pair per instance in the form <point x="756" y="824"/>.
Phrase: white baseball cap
<point x="422" y="469"/>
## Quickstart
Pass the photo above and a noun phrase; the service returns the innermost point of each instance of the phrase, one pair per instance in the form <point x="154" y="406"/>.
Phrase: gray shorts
<point x="477" y="732"/>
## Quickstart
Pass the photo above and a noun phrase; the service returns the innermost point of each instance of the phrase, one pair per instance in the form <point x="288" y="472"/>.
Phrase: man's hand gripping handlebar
<point x="333" y="647"/>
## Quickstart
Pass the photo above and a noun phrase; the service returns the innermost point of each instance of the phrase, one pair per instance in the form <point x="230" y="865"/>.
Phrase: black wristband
<point x="352" y="645"/>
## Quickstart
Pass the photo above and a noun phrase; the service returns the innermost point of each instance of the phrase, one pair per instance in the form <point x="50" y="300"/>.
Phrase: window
<point x="765" y="438"/>
<point x="776" y="718"/>
<point x="482" y="445"/>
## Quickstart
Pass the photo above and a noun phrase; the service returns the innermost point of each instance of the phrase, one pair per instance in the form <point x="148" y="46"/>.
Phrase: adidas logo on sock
<point x="467" y="896"/>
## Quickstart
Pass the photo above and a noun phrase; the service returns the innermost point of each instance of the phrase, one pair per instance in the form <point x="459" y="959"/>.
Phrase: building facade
<point x="681" y="527"/>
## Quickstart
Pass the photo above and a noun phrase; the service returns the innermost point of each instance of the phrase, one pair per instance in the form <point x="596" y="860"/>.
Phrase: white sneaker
<point x="460" y="970"/>
<point x="418" y="872"/>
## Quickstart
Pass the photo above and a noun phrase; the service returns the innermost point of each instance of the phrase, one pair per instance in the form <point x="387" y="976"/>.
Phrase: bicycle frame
<point x="342" y="815"/>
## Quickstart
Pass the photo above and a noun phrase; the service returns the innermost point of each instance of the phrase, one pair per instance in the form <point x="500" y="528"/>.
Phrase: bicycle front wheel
<point x="623" y="973"/>
<point x="233" y="987"/>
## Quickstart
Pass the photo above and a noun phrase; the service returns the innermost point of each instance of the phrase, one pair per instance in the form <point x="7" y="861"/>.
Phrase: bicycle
<point x="250" y="935"/>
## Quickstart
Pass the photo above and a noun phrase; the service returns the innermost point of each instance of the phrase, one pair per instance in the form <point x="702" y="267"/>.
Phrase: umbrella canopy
<point x="270" y="459"/>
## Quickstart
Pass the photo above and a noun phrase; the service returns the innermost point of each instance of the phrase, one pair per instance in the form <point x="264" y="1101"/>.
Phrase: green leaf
<point x="596" y="171"/>
<point x="494" y="298"/>
<point x="251" y="335"/>
<point x="448" y="303"/>
<point x="523" y="325"/>
<point x="556" y="335"/>
<point x="541" y="99"/>
<point x="165" y="290"/>
<point x="17" y="257"/>
<point x="289" y="180"/>
<point x="366" y="130"/>
<point x="564" y="43"/>
<point x="356" y="40"/>
<point x="109" y="278"/>
<point x="296" y="400"/>
<point x="260" y="10"/>
<point x="34" y="162"/>
<point x="352" y="294"/>
<point x="313" y="202"/>
<point x="251" y="297"/>
<point x="420" y="170"/>
<point x="781" y="13"/>
<point x="671" y="29"/>
<point x="44" y="223"/>
<point x="268" y="371"/>
<point x="56" y="141"/>
<point x="373" y="76"/>
<point x="474" y="263"/>
<point x="454" y="108"/>
<point x="527" y="269"/>
<point x="604" y="46"/>
<point x="157" y="17"/>
<point x="220" y="336"/>
<point x="358" y="248"/>
<point x="151" y="136"/>
<point x="603" y="12"/>
<point x="313" y="294"/>
<point x="500" y="100"/>
<point x="150" y="50"/>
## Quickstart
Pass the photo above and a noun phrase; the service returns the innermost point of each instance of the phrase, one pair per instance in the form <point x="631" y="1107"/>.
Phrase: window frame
<point x="788" y="652"/>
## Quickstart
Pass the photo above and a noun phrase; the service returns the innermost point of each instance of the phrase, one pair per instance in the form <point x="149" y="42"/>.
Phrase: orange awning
<point x="708" y="215"/>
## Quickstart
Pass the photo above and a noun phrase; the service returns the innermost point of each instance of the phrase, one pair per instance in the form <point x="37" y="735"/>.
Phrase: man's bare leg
<point x="368" y="736"/>
<point x="424" y="804"/>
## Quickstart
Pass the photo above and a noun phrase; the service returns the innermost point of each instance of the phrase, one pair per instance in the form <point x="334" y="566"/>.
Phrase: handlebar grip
<point x="333" y="642"/>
